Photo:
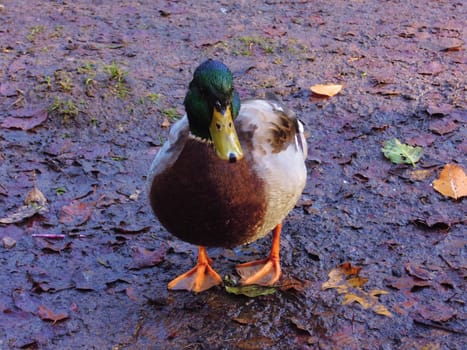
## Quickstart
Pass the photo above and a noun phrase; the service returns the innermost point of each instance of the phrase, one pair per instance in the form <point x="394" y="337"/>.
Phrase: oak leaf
<point x="326" y="89"/>
<point x="452" y="181"/>
<point x="346" y="281"/>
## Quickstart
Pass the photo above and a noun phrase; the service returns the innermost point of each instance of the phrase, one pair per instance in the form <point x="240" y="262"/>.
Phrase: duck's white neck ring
<point x="200" y="139"/>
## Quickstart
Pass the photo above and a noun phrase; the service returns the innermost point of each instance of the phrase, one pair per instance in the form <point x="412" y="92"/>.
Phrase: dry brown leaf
<point x="380" y="309"/>
<point x="368" y="300"/>
<point x="25" y="119"/>
<point x="326" y="89"/>
<point x="165" y="123"/>
<point x="452" y="181"/>
<point x="337" y="281"/>
<point x="346" y="281"/>
<point x="36" y="203"/>
<point x="76" y="213"/>
<point x="35" y="197"/>
<point x="420" y="175"/>
<point x="357" y="281"/>
<point x="48" y="315"/>
<point x="350" y="270"/>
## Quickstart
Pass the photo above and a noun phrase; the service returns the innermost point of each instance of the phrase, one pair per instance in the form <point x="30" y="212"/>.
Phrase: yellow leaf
<point x="380" y="309"/>
<point x="165" y="123"/>
<point x="346" y="281"/>
<point x="357" y="281"/>
<point x="326" y="89"/>
<point x="376" y="292"/>
<point x="452" y="182"/>
<point x="350" y="298"/>
<point x="420" y="175"/>
<point x="35" y="197"/>
<point x="337" y="281"/>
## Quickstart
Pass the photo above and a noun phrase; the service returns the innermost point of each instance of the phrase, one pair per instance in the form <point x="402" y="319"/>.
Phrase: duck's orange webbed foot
<point x="199" y="278"/>
<point x="263" y="272"/>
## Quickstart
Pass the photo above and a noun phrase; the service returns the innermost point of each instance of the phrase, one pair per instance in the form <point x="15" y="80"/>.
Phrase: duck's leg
<point x="200" y="277"/>
<point x="263" y="272"/>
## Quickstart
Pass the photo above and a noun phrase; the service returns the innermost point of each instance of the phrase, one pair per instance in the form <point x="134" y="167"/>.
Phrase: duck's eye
<point x="218" y="105"/>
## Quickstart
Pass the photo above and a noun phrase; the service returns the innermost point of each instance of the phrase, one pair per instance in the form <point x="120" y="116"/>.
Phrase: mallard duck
<point x="228" y="174"/>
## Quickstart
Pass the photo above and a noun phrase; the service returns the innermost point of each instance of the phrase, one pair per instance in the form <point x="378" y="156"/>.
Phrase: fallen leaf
<point x="251" y="291"/>
<point x="143" y="257"/>
<point x="336" y="280"/>
<point x="326" y="89"/>
<point x="368" y="300"/>
<point x="422" y="139"/>
<point x="451" y="44"/>
<point x="165" y="123"/>
<point x="345" y="339"/>
<point x="55" y="247"/>
<point x="443" y="126"/>
<point x="130" y="292"/>
<point x="76" y="213"/>
<point x="350" y="298"/>
<point x="418" y="271"/>
<point x="8" y="242"/>
<point x="48" y="315"/>
<point x="407" y="283"/>
<point x="291" y="283"/>
<point x="23" y="212"/>
<point x="256" y="342"/>
<point x="452" y="182"/>
<point x="399" y="153"/>
<point x="346" y="281"/>
<point x="420" y="175"/>
<point x="431" y="68"/>
<point x="436" y="311"/>
<point x="380" y="309"/>
<point x="357" y="281"/>
<point x="25" y="119"/>
<point x="36" y="203"/>
<point x="35" y="197"/>
<point x="350" y="270"/>
<point x="301" y="326"/>
<point x="439" y="109"/>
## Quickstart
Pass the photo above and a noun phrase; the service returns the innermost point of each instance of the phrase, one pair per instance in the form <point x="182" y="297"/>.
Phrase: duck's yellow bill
<point x="224" y="136"/>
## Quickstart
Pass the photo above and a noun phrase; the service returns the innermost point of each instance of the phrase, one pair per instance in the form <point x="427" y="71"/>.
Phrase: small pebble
<point x="8" y="242"/>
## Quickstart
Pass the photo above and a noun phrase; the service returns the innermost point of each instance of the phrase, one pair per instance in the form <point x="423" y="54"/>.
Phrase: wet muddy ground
<point x="88" y="91"/>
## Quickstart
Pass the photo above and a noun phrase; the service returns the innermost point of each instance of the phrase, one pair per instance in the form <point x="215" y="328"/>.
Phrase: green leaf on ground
<point x="251" y="291"/>
<point x="399" y="153"/>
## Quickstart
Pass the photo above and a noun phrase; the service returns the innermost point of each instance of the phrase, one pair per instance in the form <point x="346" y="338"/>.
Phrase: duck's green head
<point x="211" y="105"/>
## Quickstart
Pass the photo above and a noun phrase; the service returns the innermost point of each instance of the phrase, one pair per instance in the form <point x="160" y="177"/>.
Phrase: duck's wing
<point x="171" y="149"/>
<point x="268" y="127"/>
<point x="274" y="143"/>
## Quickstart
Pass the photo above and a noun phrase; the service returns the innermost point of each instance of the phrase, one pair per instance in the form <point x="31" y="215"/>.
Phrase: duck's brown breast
<point x="206" y="201"/>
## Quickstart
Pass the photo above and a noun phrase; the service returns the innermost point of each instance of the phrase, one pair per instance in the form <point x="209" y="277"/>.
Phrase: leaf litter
<point x="345" y="280"/>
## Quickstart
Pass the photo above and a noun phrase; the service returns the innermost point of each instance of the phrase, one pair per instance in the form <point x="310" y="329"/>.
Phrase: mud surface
<point x="88" y="91"/>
